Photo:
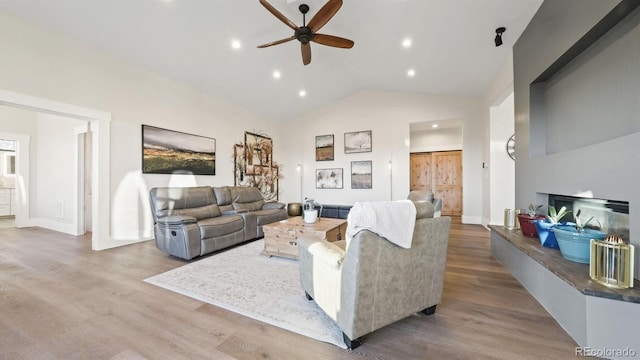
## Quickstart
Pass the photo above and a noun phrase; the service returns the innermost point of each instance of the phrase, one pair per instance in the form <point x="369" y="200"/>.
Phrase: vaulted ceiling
<point x="452" y="45"/>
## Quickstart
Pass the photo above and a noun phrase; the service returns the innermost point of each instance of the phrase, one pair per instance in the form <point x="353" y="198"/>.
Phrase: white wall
<point x="388" y="115"/>
<point x="501" y="166"/>
<point x="499" y="89"/>
<point x="52" y="203"/>
<point x="436" y="140"/>
<point x="40" y="63"/>
<point x="585" y="171"/>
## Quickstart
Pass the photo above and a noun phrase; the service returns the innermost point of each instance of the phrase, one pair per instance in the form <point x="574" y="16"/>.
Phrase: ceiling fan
<point x="308" y="32"/>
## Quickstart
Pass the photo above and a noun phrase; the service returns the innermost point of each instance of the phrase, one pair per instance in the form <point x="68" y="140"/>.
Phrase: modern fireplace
<point x="612" y="215"/>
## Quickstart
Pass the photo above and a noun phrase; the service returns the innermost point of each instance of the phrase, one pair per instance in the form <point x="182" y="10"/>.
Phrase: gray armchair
<point x="371" y="282"/>
<point x="426" y="195"/>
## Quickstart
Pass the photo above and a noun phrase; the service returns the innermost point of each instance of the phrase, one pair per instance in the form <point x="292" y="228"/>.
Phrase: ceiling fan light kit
<point x="308" y="32"/>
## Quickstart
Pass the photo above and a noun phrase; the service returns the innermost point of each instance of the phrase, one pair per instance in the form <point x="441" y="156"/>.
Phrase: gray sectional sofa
<point x="194" y="221"/>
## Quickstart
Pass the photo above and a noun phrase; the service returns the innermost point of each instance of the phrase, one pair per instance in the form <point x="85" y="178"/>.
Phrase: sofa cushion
<point x="245" y="194"/>
<point x="273" y="205"/>
<point x="420" y="195"/>
<point x="268" y="216"/>
<point x="220" y="226"/>
<point x="246" y="198"/>
<point x="198" y="202"/>
<point x="223" y="195"/>
<point x="424" y="209"/>
<point x="177" y="220"/>
<point x="252" y="206"/>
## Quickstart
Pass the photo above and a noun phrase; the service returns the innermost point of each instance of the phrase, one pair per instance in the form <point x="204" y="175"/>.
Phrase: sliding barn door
<point x="441" y="173"/>
<point x="421" y="172"/>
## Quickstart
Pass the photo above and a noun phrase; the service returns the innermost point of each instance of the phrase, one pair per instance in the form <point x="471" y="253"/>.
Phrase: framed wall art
<point x="173" y="152"/>
<point x="324" y="148"/>
<point x="258" y="151"/>
<point x="357" y="142"/>
<point x="263" y="172"/>
<point x="361" y="174"/>
<point x="329" y="178"/>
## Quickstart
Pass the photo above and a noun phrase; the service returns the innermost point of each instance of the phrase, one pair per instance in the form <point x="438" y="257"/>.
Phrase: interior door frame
<point x="101" y="138"/>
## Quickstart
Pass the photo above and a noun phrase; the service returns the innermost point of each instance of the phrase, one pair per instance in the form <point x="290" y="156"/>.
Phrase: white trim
<point x="100" y="124"/>
<point x="471" y="219"/>
<point x="53" y="225"/>
<point x="22" y="177"/>
<point x="79" y="169"/>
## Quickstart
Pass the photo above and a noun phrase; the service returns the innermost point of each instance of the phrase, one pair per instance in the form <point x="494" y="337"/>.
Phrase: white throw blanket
<point x="393" y="220"/>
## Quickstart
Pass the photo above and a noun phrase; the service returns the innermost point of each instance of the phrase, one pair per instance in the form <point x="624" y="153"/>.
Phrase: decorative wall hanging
<point x="324" y="148"/>
<point x="357" y="142"/>
<point x="254" y="165"/>
<point x="173" y="152"/>
<point x="329" y="178"/>
<point x="361" y="174"/>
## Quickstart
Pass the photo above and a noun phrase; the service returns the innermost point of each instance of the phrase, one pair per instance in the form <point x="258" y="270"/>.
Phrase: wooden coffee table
<point x="281" y="238"/>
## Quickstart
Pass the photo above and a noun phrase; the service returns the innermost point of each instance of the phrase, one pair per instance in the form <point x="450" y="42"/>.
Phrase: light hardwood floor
<point x="61" y="300"/>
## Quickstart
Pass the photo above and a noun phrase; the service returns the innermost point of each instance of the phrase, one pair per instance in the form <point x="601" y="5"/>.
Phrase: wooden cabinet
<point x="440" y="173"/>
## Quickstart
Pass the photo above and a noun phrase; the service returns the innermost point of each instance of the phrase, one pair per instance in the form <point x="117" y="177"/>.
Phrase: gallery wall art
<point x="254" y="165"/>
<point x="324" y="148"/>
<point x="329" y="178"/>
<point x="357" y="142"/>
<point x="172" y="152"/>
<point x="361" y="175"/>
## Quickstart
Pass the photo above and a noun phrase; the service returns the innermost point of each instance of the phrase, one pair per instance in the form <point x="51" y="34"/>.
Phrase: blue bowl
<point x="574" y="245"/>
<point x="546" y="236"/>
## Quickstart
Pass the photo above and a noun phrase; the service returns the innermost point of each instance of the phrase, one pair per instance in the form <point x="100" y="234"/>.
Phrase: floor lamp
<point x="391" y="180"/>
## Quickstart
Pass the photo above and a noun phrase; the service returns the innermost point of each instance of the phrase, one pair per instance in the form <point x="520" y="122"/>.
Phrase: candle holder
<point x="612" y="262"/>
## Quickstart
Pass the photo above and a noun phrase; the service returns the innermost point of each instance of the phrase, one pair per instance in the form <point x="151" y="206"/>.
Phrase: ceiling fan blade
<point x="324" y="14"/>
<point x="278" y="14"/>
<point x="306" y="53"/>
<point x="334" y="41"/>
<point x="276" y="42"/>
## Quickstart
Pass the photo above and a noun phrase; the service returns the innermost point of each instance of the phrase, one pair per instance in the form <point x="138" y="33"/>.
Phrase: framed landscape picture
<point x="324" y="148"/>
<point x="173" y="152"/>
<point x="329" y="178"/>
<point x="357" y="142"/>
<point x="361" y="174"/>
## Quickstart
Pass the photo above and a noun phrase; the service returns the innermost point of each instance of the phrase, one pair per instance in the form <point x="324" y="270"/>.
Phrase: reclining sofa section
<point x="195" y="221"/>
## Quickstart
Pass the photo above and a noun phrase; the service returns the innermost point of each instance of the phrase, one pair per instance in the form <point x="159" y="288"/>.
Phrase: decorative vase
<point x="527" y="224"/>
<point x="294" y="209"/>
<point x="310" y="216"/>
<point x="574" y="245"/>
<point x="546" y="236"/>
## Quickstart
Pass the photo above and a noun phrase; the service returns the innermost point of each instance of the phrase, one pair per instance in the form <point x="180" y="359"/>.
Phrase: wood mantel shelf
<point x="573" y="273"/>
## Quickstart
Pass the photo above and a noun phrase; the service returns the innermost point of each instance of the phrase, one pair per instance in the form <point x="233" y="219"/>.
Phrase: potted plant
<point x="543" y="226"/>
<point x="574" y="240"/>
<point x="527" y="220"/>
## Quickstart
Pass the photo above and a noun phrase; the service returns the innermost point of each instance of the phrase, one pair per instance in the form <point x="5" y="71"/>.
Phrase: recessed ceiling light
<point x="434" y="126"/>
<point x="302" y="93"/>
<point x="276" y="74"/>
<point x="406" y="43"/>
<point x="235" y="44"/>
<point x="411" y="73"/>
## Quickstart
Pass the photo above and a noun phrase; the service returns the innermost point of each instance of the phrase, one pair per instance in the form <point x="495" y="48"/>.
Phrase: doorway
<point x="7" y="183"/>
<point x="100" y="190"/>
<point x="441" y="173"/>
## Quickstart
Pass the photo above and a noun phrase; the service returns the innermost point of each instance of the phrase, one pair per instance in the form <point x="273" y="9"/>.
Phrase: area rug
<point x="264" y="288"/>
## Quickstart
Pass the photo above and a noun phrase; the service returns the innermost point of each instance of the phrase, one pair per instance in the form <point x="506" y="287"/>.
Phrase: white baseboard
<point x="471" y="220"/>
<point x="54" y="225"/>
